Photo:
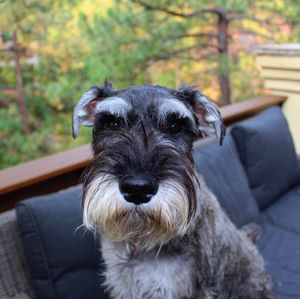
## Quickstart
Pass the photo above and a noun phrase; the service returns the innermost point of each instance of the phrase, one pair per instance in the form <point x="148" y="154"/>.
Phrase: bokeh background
<point x="51" y="51"/>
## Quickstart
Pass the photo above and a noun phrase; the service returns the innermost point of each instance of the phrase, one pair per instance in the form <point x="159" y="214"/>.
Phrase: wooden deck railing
<point x="62" y="170"/>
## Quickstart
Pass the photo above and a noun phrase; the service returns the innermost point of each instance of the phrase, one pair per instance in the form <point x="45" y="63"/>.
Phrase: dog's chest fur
<point x="148" y="277"/>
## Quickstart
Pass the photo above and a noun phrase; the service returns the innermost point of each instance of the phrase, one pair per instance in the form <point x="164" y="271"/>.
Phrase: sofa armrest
<point x="14" y="276"/>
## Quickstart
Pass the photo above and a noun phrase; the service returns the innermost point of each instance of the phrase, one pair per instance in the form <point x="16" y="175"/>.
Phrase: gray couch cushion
<point x="267" y="153"/>
<point x="225" y="176"/>
<point x="64" y="261"/>
<point x="281" y="251"/>
<point x="285" y="212"/>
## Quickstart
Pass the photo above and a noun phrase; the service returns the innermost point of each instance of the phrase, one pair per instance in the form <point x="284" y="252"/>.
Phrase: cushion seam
<point x="271" y="222"/>
<point x="241" y="148"/>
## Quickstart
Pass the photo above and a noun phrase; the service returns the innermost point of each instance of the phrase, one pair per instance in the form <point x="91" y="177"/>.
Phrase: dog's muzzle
<point x="138" y="189"/>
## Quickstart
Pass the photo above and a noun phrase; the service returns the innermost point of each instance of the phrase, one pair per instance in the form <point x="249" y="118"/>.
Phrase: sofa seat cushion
<point x="63" y="258"/>
<point x="222" y="170"/>
<point x="281" y="251"/>
<point x="267" y="153"/>
<point x="285" y="212"/>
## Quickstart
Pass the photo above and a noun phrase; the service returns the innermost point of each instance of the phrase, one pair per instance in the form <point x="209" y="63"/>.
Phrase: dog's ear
<point x="208" y="116"/>
<point x="84" y="111"/>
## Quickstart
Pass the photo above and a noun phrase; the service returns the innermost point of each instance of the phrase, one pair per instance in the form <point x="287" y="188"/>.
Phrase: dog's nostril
<point x="138" y="189"/>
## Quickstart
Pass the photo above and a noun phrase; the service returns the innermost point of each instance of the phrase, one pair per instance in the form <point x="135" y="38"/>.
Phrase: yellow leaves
<point x="78" y="65"/>
<point x="91" y="8"/>
<point x="34" y="46"/>
<point x="56" y="104"/>
<point x="213" y="90"/>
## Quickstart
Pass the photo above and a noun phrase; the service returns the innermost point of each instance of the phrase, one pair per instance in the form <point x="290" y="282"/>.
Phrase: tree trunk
<point x="223" y="57"/>
<point x="19" y="83"/>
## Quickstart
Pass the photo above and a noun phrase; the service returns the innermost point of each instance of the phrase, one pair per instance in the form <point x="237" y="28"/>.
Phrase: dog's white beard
<point x="144" y="226"/>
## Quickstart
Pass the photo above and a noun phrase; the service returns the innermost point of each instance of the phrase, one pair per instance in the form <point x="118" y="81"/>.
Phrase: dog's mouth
<point x="137" y="199"/>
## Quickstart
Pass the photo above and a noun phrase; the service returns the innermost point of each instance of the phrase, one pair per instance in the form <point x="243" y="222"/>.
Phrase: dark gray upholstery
<point x="63" y="260"/>
<point x="285" y="212"/>
<point x="225" y="176"/>
<point x="281" y="251"/>
<point x="267" y="153"/>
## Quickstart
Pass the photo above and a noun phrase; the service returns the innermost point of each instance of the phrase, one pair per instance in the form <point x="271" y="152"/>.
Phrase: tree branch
<point x="251" y="32"/>
<point x="198" y="34"/>
<point x="178" y="56"/>
<point x="147" y="6"/>
<point x="175" y="53"/>
<point x="247" y="17"/>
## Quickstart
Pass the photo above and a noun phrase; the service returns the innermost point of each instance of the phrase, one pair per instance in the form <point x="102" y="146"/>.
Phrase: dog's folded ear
<point x="84" y="111"/>
<point x="209" y="118"/>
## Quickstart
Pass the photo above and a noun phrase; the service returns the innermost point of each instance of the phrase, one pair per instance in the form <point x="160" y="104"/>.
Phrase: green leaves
<point x="130" y="42"/>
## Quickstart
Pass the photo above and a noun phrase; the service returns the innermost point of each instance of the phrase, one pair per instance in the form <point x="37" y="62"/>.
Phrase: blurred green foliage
<point x="80" y="43"/>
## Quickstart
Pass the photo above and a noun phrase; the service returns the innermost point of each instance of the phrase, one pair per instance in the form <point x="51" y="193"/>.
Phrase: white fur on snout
<point x="101" y="199"/>
<point x="172" y="200"/>
<point x="147" y="225"/>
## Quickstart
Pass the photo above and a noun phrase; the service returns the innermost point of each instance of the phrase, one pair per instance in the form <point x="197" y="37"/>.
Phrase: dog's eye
<point x="112" y="123"/>
<point x="174" y="126"/>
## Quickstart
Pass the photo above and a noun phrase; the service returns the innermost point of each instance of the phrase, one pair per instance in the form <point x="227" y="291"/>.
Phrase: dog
<point x="163" y="232"/>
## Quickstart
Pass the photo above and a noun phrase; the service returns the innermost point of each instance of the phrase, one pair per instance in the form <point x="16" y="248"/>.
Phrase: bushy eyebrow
<point x="172" y="106"/>
<point x="115" y="106"/>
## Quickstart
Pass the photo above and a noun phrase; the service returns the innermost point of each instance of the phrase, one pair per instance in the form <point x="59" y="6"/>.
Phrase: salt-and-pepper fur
<point x="212" y="260"/>
<point x="180" y="244"/>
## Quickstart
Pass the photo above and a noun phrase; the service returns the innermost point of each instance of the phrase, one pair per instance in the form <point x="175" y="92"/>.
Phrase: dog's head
<point x="141" y="187"/>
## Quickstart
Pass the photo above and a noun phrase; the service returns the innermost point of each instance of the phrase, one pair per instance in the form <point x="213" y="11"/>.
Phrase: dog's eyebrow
<point x="114" y="105"/>
<point x="171" y="106"/>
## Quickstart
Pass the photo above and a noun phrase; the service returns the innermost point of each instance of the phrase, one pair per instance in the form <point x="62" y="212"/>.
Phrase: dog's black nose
<point x="138" y="189"/>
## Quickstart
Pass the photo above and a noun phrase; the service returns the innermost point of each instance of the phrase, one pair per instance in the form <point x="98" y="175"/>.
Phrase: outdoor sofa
<point x="46" y="253"/>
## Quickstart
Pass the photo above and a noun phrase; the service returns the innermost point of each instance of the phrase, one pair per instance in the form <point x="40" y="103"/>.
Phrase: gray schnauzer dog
<point x="163" y="233"/>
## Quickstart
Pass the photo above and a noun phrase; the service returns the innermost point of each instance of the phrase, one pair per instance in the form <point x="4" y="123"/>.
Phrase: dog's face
<point x="141" y="187"/>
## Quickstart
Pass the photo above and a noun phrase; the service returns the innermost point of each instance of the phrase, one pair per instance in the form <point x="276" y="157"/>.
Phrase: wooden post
<point x="19" y="85"/>
<point x="222" y="40"/>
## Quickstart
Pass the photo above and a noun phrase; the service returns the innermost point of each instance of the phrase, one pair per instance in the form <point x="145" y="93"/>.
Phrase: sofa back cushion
<point x="64" y="259"/>
<point x="267" y="153"/>
<point x="224" y="175"/>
